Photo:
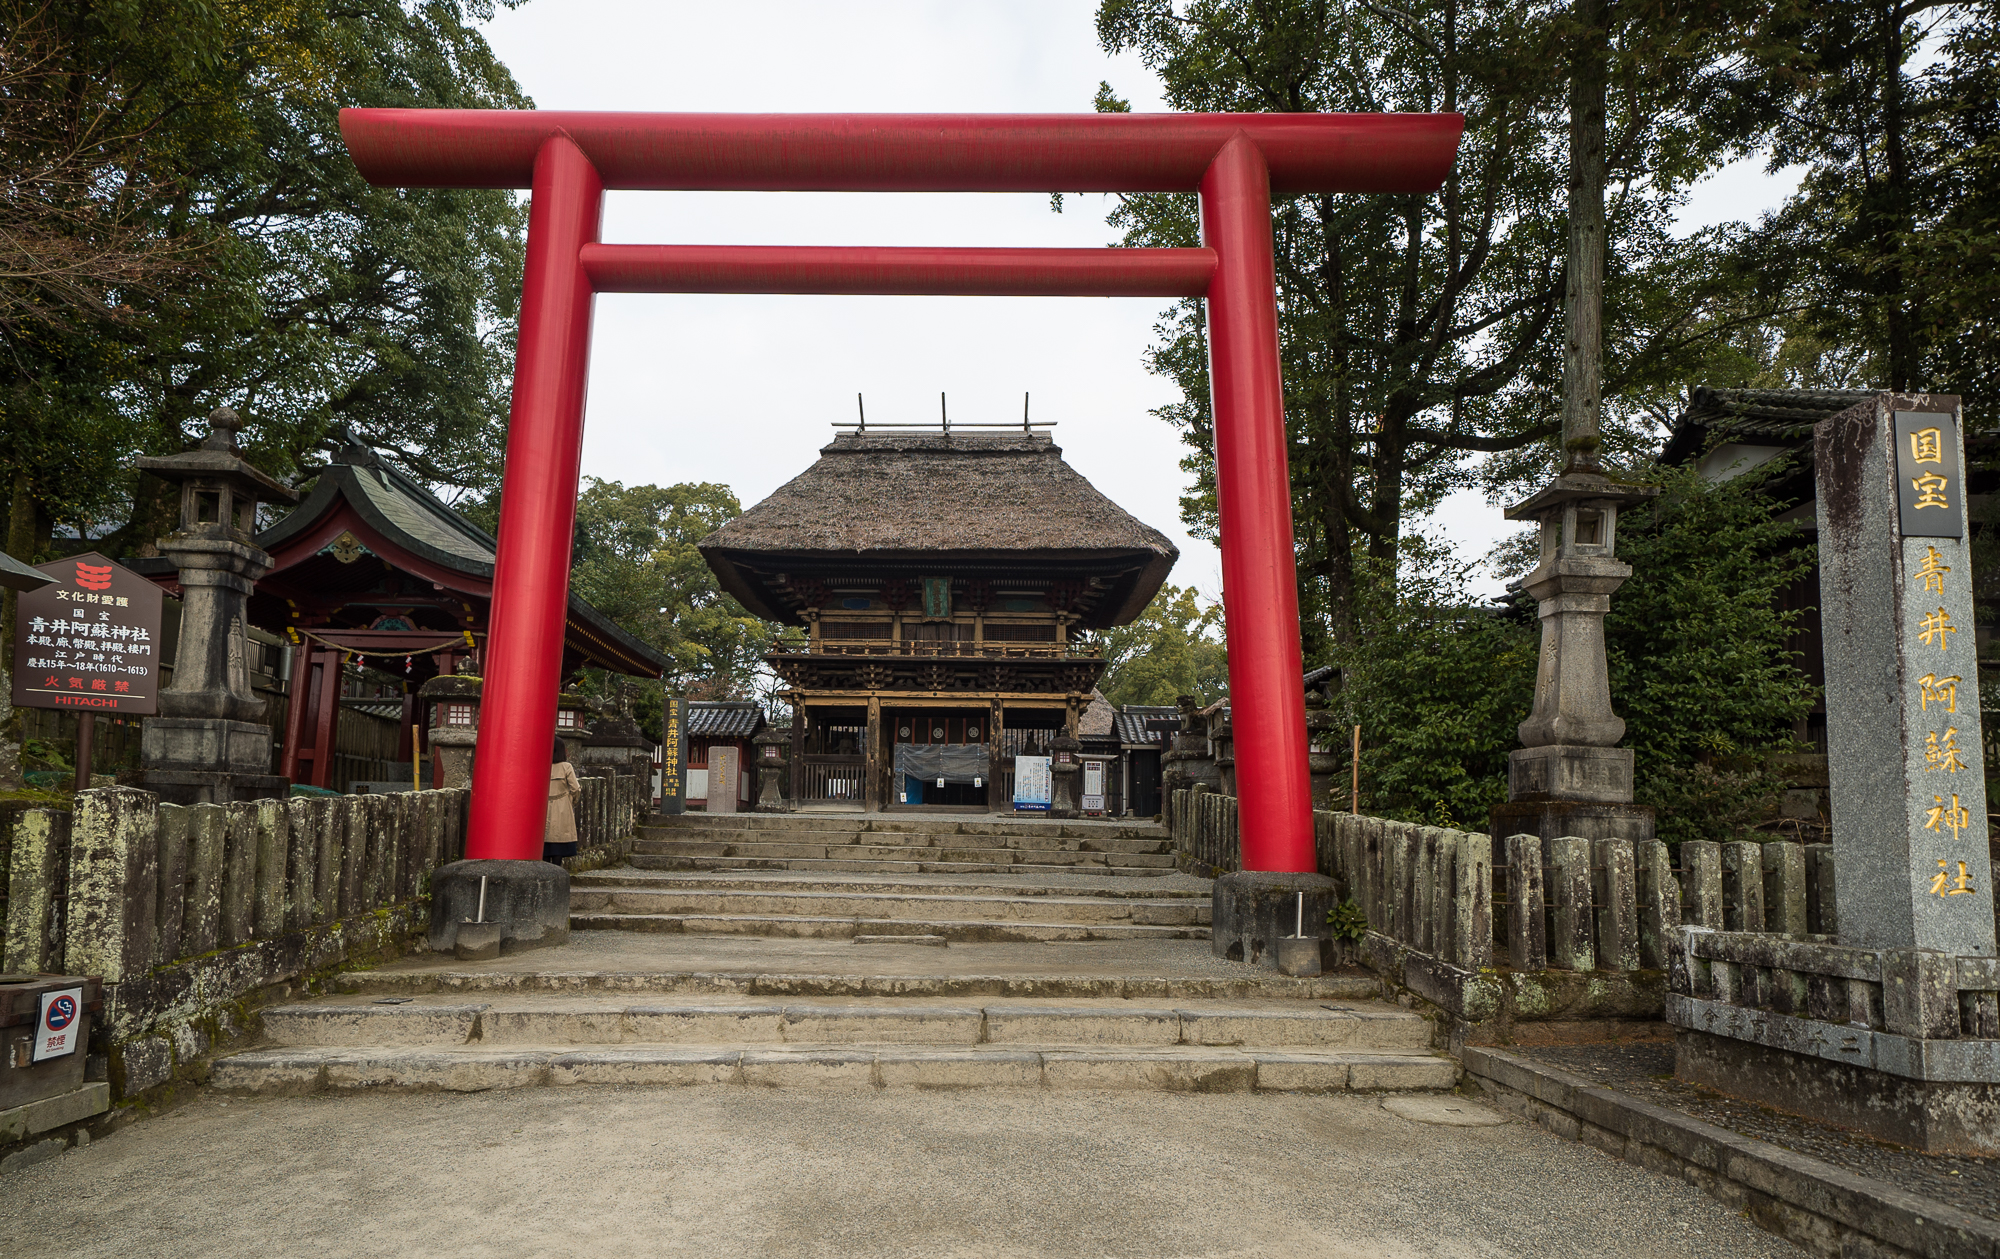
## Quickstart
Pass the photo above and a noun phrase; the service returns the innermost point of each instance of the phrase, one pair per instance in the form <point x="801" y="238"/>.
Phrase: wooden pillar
<point x="295" y="709"/>
<point x="796" y="773"/>
<point x="404" y="728"/>
<point x="326" y="718"/>
<point x="872" y="767"/>
<point x="996" y="724"/>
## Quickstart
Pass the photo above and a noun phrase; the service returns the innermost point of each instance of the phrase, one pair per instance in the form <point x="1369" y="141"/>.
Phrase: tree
<point x="318" y="299"/>
<point x="635" y="561"/>
<point x="197" y="142"/>
<point x="1173" y="649"/>
<point x="1697" y="645"/>
<point x="1420" y="334"/>
<point x="1889" y="245"/>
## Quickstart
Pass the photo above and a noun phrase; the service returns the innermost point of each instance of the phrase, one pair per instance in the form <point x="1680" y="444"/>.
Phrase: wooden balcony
<point x="1010" y="669"/>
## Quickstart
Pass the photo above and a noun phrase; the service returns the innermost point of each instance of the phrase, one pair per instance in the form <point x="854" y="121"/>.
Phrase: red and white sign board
<point x="57" y="1031"/>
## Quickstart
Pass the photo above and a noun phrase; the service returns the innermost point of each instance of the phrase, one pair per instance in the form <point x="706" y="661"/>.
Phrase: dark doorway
<point x="1145" y="785"/>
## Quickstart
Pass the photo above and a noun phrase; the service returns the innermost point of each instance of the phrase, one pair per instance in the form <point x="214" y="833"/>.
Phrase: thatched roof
<point x="984" y="504"/>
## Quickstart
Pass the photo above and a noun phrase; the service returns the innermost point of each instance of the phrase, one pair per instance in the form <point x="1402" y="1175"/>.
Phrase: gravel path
<point x="1647" y="1072"/>
<point x="614" y="1172"/>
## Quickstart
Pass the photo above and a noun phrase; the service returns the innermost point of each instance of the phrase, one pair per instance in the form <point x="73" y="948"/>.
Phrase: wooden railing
<point x="832" y="779"/>
<point x="969" y="651"/>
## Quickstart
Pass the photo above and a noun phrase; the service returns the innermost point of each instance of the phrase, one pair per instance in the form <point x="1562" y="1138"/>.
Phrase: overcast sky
<point x="744" y="389"/>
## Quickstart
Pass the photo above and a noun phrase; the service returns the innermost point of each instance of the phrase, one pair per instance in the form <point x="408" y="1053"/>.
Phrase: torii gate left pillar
<point x="1235" y="162"/>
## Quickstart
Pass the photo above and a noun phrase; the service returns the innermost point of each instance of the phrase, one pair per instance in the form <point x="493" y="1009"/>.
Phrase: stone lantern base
<point x="1564" y="791"/>
<point x="208" y="760"/>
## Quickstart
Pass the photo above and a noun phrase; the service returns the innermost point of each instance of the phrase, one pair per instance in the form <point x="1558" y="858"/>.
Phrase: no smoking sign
<point x="61" y="1020"/>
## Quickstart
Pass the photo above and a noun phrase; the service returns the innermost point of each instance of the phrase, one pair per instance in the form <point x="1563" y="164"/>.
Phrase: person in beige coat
<point x="559" y="837"/>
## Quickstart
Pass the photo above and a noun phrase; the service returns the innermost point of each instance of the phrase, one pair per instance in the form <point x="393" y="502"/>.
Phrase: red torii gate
<point x="1235" y="161"/>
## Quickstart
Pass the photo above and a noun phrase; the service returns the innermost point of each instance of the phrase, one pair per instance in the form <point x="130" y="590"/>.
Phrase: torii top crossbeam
<point x="476" y="148"/>
<point x="1234" y="161"/>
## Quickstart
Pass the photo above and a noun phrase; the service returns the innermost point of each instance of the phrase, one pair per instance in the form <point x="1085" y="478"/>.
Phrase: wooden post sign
<point x="90" y="640"/>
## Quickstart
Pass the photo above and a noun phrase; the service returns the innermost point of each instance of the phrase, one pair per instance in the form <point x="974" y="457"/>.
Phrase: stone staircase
<point x="878" y="843"/>
<point x="860" y="906"/>
<point x="728" y="954"/>
<point x="472" y="1040"/>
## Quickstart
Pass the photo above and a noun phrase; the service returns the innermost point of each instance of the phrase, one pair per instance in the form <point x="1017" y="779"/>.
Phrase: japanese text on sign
<point x="90" y="640"/>
<point x="1928" y="475"/>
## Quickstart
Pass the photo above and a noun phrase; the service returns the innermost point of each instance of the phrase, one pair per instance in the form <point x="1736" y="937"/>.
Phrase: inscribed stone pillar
<point x="1902" y="683"/>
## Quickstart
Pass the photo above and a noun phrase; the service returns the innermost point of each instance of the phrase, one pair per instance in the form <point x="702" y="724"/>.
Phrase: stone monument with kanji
<point x="1891" y="1023"/>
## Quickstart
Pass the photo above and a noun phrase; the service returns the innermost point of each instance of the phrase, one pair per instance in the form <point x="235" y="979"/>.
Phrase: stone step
<point x="1370" y="1027"/>
<point x="900" y="852"/>
<point x="932" y="864"/>
<point x="885" y="905"/>
<point x="904" y="824"/>
<point x="665" y="840"/>
<point x="851" y="1067"/>
<point x="781" y="881"/>
<point x="1243" y="985"/>
<point x="799" y="927"/>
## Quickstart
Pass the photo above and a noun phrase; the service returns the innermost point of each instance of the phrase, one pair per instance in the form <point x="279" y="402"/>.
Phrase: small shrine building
<point x="947" y="582"/>
<point x="372" y="568"/>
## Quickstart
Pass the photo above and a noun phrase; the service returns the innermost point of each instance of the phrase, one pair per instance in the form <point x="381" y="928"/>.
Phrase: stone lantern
<point x="773" y="768"/>
<point x="615" y="744"/>
<point x="1569" y="777"/>
<point x="1065" y="771"/>
<point x="454" y="732"/>
<point x="207" y="744"/>
<point x="573" y="725"/>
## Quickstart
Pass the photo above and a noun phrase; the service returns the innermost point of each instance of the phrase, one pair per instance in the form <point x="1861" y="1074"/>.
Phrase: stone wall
<point x="193" y="916"/>
<point x="1531" y="939"/>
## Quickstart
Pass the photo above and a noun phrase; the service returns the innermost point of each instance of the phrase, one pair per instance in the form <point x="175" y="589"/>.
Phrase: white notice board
<point x="1093" y="787"/>
<point x="1031" y="784"/>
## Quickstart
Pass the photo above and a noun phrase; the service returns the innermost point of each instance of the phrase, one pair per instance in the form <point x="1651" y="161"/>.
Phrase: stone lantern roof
<point x="215" y="459"/>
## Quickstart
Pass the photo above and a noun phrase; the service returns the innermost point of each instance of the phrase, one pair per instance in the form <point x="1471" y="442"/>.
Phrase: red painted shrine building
<point x="373" y="569"/>
<point x="948" y="583"/>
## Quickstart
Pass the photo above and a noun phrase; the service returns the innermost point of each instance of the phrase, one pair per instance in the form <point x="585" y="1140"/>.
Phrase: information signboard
<point x="89" y="640"/>
<point x="1031" y="784"/>
<point x="1093" y="787"/>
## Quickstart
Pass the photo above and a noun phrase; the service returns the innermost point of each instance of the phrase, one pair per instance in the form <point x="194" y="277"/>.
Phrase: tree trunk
<point x="1891" y="206"/>
<point x="21" y="544"/>
<point x="1583" y="295"/>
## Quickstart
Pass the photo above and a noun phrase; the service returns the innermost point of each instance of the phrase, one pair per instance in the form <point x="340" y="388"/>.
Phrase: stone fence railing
<point x="190" y="914"/>
<point x="1913" y="993"/>
<point x="1454" y="914"/>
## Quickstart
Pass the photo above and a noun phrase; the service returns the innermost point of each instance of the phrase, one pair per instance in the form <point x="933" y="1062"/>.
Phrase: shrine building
<point x="372" y="569"/>
<point x="948" y="583"/>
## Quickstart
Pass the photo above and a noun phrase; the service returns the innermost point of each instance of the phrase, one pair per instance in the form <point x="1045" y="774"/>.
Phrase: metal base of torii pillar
<point x="1236" y="162"/>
